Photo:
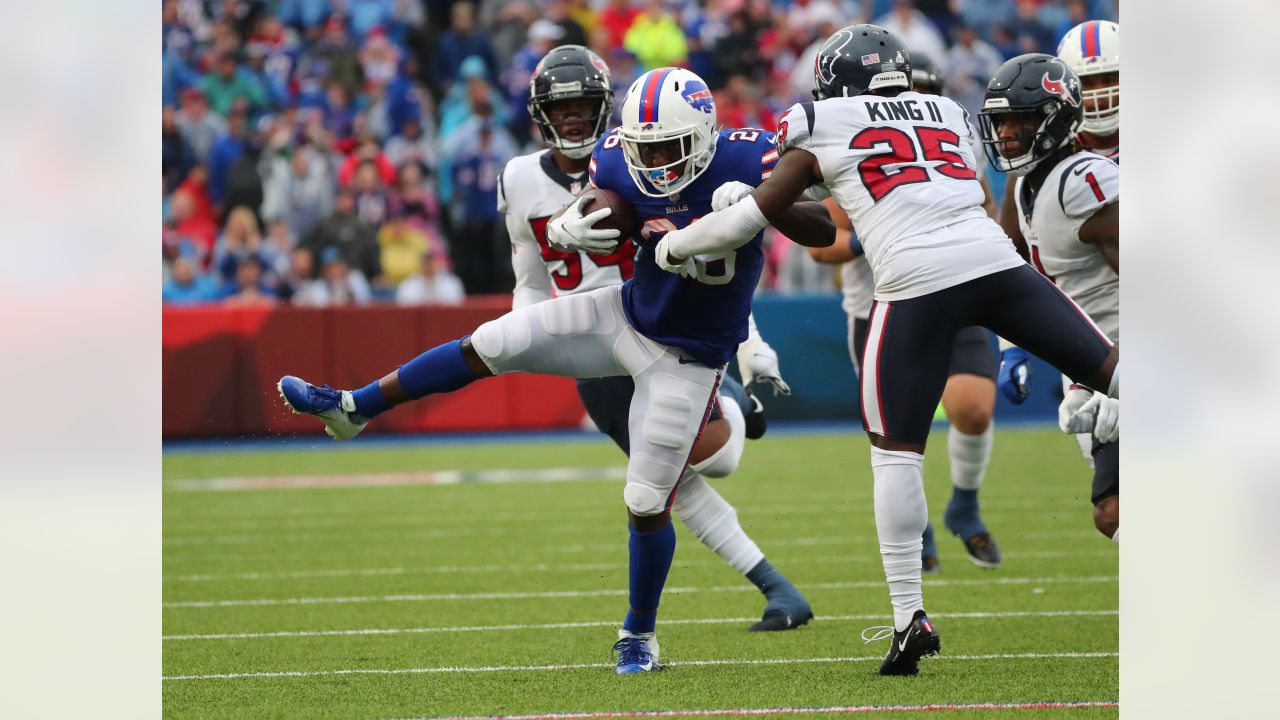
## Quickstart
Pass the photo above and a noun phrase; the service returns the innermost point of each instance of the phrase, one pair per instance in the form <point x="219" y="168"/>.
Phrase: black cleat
<point x="920" y="639"/>
<point x="777" y="620"/>
<point x="756" y="424"/>
<point x="983" y="550"/>
<point x="929" y="565"/>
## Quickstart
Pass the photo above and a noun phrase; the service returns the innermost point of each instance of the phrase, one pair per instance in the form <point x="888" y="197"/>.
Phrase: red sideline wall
<point x="221" y="366"/>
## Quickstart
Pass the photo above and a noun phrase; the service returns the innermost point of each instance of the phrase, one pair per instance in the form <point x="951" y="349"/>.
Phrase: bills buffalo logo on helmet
<point x="698" y="96"/>
<point x="1060" y="88"/>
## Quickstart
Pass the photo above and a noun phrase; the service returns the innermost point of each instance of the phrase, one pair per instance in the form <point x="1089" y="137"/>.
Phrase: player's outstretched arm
<point x="734" y="226"/>
<point x="846" y="246"/>
<point x="1103" y="230"/>
<point x="807" y="223"/>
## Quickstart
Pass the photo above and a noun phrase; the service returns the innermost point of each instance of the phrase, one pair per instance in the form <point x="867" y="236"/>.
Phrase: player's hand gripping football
<point x="574" y="231"/>
<point x="758" y="361"/>
<point x="729" y="193"/>
<point x="1015" y="375"/>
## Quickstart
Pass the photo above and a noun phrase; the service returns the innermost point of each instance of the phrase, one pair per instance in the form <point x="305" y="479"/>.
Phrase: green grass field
<point x="399" y="601"/>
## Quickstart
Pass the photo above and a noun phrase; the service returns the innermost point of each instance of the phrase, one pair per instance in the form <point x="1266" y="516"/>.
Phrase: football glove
<point x="1070" y="420"/>
<point x="1015" y="375"/>
<point x="574" y="231"/>
<point x="661" y="252"/>
<point x="758" y="361"/>
<point x="729" y="193"/>
<point x="1107" y="425"/>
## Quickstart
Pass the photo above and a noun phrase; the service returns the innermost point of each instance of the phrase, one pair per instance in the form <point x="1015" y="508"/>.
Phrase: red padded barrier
<point x="221" y="365"/>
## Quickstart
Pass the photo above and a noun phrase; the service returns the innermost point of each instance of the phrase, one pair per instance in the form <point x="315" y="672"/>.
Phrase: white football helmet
<point x="664" y="105"/>
<point x="1093" y="48"/>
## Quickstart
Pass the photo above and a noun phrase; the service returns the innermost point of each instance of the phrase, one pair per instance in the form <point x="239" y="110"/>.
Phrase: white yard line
<point x="566" y="567"/>
<point x="579" y="666"/>
<point x="808" y="710"/>
<point x="442" y="477"/>
<point x="739" y="587"/>
<point x="613" y="623"/>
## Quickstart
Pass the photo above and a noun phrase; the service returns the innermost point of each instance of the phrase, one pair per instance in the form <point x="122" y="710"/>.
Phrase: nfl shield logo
<point x="871" y="59"/>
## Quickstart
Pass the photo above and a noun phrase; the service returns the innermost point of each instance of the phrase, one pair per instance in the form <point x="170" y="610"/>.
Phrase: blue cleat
<point x="963" y="520"/>
<point x="336" y="408"/>
<point x="637" y="653"/>
<point x="929" y="564"/>
<point x="785" y="610"/>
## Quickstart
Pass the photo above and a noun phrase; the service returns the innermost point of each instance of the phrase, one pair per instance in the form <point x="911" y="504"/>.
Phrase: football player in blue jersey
<point x="672" y="332"/>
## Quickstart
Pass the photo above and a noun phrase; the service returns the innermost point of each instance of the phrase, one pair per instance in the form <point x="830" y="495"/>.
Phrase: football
<point x="623" y="218"/>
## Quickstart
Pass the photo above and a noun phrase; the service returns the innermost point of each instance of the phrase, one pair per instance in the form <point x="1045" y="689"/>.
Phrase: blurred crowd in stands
<point x="327" y="152"/>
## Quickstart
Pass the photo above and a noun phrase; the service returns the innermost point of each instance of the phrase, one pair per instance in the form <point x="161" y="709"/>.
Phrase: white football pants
<point x="586" y="336"/>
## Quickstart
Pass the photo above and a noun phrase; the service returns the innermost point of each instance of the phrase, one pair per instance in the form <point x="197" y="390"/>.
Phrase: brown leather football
<point x="623" y="218"/>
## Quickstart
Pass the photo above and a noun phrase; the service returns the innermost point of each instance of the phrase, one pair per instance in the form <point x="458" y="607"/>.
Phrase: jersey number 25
<point x="900" y="149"/>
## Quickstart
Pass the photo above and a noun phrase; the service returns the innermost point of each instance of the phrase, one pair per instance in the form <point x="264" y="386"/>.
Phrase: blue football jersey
<point x="705" y="316"/>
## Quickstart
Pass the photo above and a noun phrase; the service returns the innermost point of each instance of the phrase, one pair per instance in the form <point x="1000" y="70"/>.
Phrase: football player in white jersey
<point x="571" y="101"/>
<point x="970" y="395"/>
<point x="901" y="165"/>
<point x="1068" y="203"/>
<point x="1092" y="50"/>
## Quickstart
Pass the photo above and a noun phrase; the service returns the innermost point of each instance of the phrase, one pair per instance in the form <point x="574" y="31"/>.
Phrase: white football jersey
<point x="531" y="189"/>
<point x="903" y="169"/>
<point x="1072" y="192"/>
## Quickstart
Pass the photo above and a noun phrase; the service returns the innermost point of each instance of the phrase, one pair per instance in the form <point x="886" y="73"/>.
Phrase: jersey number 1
<point x="880" y="182"/>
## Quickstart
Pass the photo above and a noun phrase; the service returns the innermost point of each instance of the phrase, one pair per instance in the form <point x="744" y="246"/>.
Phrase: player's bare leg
<point x="1106" y="517"/>
<point x="970" y="402"/>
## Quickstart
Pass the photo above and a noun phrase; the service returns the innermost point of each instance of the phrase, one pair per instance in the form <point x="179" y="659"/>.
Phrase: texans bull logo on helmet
<point x="699" y="96"/>
<point x="1060" y="87"/>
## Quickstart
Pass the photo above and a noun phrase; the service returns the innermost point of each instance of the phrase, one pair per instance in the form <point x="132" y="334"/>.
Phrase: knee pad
<point x="649" y="484"/>
<point x="724" y="461"/>
<point x="500" y="340"/>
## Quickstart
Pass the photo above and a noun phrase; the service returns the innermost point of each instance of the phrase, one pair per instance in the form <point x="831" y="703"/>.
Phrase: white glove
<point x="758" y="361"/>
<point x="729" y="193"/>
<point x="1069" y="419"/>
<point x="574" y="231"/>
<point x="685" y="268"/>
<point x="1102" y="414"/>
<point x="1107" y="427"/>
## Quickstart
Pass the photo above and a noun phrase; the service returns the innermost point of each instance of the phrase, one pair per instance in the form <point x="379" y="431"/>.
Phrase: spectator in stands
<point x="298" y="284"/>
<point x="985" y="15"/>
<point x="371" y="194"/>
<point x="916" y="31"/>
<point x="276" y="249"/>
<point x="403" y="245"/>
<point x="479" y="253"/>
<point x="199" y="126"/>
<point x="177" y="157"/>
<point x="239" y="239"/>
<point x="460" y="42"/>
<point x="431" y="285"/>
<point x="248" y="288"/>
<point x="655" y="38"/>
<point x="1077" y="12"/>
<point x="299" y="189"/>
<point x="334" y="56"/>
<point x="186" y="285"/>
<point x="1031" y="34"/>
<point x="739" y="105"/>
<point x="379" y="58"/>
<point x="739" y="52"/>
<point x="305" y="15"/>
<point x="225" y="151"/>
<point x="1004" y="41"/>
<point x="367" y="151"/>
<point x="339" y="284"/>
<point x="970" y="65"/>
<point x="352" y="238"/>
<point x="189" y="225"/>
<point x="617" y="18"/>
<point x="339" y="116"/>
<point x="411" y="145"/>
<point x="508" y="30"/>
<point x="573" y="33"/>
<point x="229" y="83"/>
<point x="368" y="16"/>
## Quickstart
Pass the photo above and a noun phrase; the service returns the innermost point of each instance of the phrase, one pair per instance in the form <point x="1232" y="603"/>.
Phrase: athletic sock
<point x="440" y="369"/>
<point x="651" y="555"/>
<point x="969" y="457"/>
<point x="901" y="516"/>
<point x="774" y="585"/>
<point x="929" y="547"/>
<point x="713" y="521"/>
